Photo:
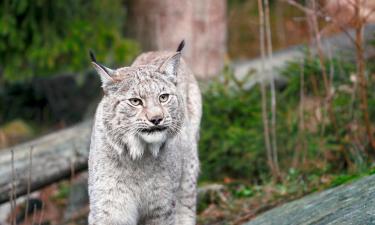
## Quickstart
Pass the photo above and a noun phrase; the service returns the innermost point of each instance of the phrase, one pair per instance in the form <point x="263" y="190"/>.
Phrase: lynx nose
<point x="156" y="120"/>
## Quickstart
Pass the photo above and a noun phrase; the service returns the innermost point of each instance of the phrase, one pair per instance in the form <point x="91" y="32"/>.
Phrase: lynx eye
<point x="135" y="101"/>
<point x="163" y="97"/>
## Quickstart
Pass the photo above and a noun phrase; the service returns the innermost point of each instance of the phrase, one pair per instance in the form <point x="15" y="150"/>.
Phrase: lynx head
<point x="142" y="106"/>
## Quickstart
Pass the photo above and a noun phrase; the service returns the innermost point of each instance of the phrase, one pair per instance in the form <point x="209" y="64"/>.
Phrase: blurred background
<point x="287" y="85"/>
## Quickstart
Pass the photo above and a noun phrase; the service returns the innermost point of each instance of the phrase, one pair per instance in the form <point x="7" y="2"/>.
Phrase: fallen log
<point x="347" y="204"/>
<point x="54" y="157"/>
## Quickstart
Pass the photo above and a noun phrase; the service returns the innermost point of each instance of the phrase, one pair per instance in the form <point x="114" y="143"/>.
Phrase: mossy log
<point x="347" y="204"/>
<point x="54" y="157"/>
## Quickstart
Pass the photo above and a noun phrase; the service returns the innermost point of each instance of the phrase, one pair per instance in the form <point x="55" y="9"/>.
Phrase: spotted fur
<point x="139" y="172"/>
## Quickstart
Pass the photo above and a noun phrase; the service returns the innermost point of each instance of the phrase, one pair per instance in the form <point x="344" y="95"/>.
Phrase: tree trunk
<point x="162" y="24"/>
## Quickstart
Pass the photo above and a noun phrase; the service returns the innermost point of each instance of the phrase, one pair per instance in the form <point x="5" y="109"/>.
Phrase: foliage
<point x="243" y="191"/>
<point x="40" y="38"/>
<point x="341" y="72"/>
<point x="46" y="101"/>
<point x="232" y="142"/>
<point x="63" y="191"/>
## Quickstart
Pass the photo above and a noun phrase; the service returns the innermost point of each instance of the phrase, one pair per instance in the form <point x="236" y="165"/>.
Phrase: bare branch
<point x="273" y="92"/>
<point x="34" y="217"/>
<point x="29" y="182"/>
<point x="308" y="11"/>
<point x="13" y="191"/>
<point x="263" y="89"/>
<point x="366" y="17"/>
<point x="41" y="214"/>
<point x="361" y="68"/>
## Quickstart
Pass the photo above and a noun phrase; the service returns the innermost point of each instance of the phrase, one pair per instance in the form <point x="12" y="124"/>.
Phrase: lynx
<point x="143" y="161"/>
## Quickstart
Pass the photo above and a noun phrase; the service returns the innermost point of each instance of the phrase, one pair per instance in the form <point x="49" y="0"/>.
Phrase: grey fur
<point x="137" y="177"/>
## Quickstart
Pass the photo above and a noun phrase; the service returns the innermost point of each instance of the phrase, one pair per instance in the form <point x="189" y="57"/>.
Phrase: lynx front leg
<point x="164" y="216"/>
<point x="111" y="217"/>
<point x="109" y="220"/>
<point x="187" y="194"/>
<point x="115" y="209"/>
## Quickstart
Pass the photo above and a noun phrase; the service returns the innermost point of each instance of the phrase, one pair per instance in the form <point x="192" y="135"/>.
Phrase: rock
<point x="78" y="197"/>
<point x="209" y="190"/>
<point x="337" y="44"/>
<point x="347" y="204"/>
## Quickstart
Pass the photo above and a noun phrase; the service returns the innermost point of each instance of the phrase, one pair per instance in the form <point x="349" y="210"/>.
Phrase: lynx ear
<point x="104" y="72"/>
<point x="170" y="66"/>
<point x="181" y="46"/>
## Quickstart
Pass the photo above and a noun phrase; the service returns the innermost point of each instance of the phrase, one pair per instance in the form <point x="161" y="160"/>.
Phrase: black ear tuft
<point x="92" y="56"/>
<point x="93" y="59"/>
<point x="181" y="46"/>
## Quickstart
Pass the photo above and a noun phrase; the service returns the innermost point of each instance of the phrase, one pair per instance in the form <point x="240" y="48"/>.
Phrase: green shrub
<point x="42" y="37"/>
<point x="231" y="141"/>
<point x="340" y="71"/>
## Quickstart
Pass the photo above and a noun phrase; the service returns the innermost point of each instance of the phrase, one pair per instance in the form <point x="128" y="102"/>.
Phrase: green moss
<point x="345" y="178"/>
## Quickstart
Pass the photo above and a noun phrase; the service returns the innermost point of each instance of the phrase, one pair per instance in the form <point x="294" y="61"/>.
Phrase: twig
<point x="72" y="170"/>
<point x="301" y="118"/>
<point x="263" y="91"/>
<point x="359" y="29"/>
<point x="366" y="17"/>
<point x="29" y="183"/>
<point x="41" y="214"/>
<point x="273" y="92"/>
<point x="11" y="206"/>
<point x="321" y="15"/>
<point x="13" y="191"/>
<point x="327" y="83"/>
<point x="34" y="212"/>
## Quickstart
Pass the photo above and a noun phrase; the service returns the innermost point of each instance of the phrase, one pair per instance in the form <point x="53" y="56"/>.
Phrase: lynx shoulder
<point x="143" y="161"/>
